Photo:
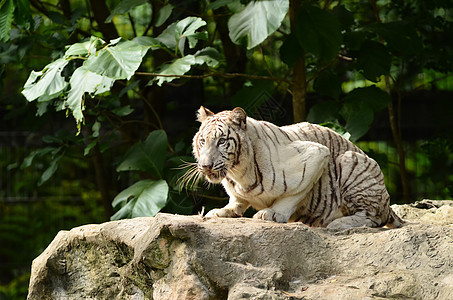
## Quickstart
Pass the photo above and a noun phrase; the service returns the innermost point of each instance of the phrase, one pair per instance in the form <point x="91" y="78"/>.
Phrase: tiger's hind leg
<point x="364" y="197"/>
<point x="357" y="220"/>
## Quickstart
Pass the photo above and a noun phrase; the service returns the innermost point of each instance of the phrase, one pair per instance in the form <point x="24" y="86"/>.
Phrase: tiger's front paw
<point x="221" y="213"/>
<point x="269" y="214"/>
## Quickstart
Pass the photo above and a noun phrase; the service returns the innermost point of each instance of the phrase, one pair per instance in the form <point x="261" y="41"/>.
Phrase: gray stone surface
<point x="188" y="257"/>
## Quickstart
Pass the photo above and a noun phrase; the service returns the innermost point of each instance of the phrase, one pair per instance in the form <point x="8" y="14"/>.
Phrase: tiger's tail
<point x="393" y="220"/>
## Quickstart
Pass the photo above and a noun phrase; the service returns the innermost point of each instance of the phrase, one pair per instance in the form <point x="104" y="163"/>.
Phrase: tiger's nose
<point x="206" y="167"/>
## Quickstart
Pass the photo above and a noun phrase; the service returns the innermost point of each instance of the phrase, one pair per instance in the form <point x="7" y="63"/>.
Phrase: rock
<point x="188" y="257"/>
<point x="427" y="211"/>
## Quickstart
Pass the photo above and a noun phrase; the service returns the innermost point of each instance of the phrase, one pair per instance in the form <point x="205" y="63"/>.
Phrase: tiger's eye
<point x="221" y="141"/>
<point x="202" y="142"/>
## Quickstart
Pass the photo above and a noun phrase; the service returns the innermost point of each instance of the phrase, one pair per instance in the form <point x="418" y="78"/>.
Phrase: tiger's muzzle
<point x="213" y="173"/>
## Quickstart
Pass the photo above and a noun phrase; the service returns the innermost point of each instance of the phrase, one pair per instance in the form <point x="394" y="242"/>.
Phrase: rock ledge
<point x="188" y="257"/>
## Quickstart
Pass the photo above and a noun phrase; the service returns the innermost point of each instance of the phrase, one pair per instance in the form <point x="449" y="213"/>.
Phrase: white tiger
<point x="301" y="172"/>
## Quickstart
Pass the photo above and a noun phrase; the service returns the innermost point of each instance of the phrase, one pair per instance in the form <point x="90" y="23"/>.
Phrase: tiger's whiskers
<point x="190" y="178"/>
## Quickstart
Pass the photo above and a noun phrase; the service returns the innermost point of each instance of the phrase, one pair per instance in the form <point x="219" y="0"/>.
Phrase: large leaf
<point x="22" y="13"/>
<point x="47" y="83"/>
<point x="358" y="117"/>
<point x="6" y="18"/>
<point x="179" y="66"/>
<point x="319" y="32"/>
<point x="291" y="51"/>
<point x="124" y="6"/>
<point x="257" y="21"/>
<point x="209" y="56"/>
<point x="182" y="65"/>
<point x="359" y="108"/>
<point x="325" y="111"/>
<point x="50" y="170"/>
<point x="328" y="84"/>
<point x="252" y="98"/>
<point x="119" y="61"/>
<point x="84" y="81"/>
<point x="39" y="152"/>
<point x="400" y="36"/>
<point x="374" y="60"/>
<point x="163" y="14"/>
<point x="148" y="156"/>
<point x="175" y="35"/>
<point x="373" y="96"/>
<point x="150" y="42"/>
<point x="142" y="199"/>
<point x="84" y="48"/>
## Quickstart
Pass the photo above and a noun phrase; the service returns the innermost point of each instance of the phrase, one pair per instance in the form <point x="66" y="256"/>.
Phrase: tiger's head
<point x="218" y="143"/>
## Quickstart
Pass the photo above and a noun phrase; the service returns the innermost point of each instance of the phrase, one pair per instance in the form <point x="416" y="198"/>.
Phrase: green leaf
<point x="358" y="117"/>
<point x="328" y="84"/>
<point x="88" y="148"/>
<point x="40" y="152"/>
<point x="128" y="87"/>
<point x="42" y="108"/>
<point x="142" y="199"/>
<point x="186" y="29"/>
<point x="47" y="83"/>
<point x="209" y="56"/>
<point x="85" y="48"/>
<point x="163" y="14"/>
<point x="217" y="4"/>
<point x="123" y="7"/>
<point x="325" y="111"/>
<point x="251" y="98"/>
<point x="96" y="127"/>
<point x="373" y="96"/>
<point x="123" y="111"/>
<point x="354" y="39"/>
<point x="344" y="16"/>
<point x="319" y="32"/>
<point x="400" y="36"/>
<point x="148" y="156"/>
<point x="84" y="81"/>
<point x="6" y="18"/>
<point x="176" y="34"/>
<point x="50" y="170"/>
<point x="22" y="14"/>
<point x="181" y="66"/>
<point x="150" y="42"/>
<point x="117" y="62"/>
<point x="178" y="66"/>
<point x="374" y="59"/>
<point x="291" y="51"/>
<point x="359" y="108"/>
<point x="256" y="22"/>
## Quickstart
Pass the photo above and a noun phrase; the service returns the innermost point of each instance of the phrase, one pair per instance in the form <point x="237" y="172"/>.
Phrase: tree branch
<point x="217" y="74"/>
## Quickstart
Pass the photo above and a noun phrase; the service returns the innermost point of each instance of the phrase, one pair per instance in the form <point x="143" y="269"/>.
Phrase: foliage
<point x="131" y="73"/>
<point x="335" y="41"/>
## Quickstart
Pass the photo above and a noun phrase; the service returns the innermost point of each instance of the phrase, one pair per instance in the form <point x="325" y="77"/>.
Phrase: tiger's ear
<point x="239" y="118"/>
<point x="203" y="114"/>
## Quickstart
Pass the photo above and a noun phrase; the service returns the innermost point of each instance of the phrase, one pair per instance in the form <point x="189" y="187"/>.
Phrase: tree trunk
<point x="299" y="91"/>
<point x="401" y="154"/>
<point x="299" y="83"/>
